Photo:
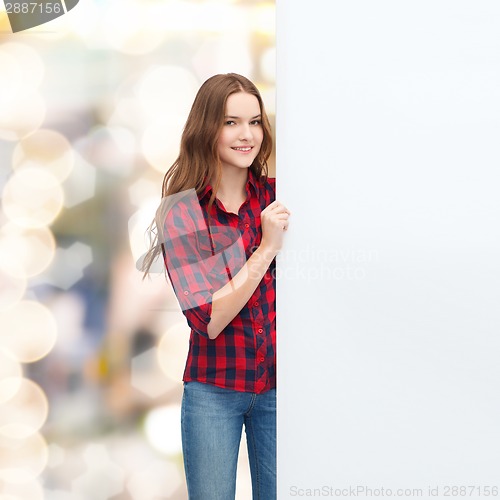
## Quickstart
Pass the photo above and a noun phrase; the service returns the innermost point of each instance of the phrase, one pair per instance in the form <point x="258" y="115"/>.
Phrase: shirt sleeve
<point x="195" y="264"/>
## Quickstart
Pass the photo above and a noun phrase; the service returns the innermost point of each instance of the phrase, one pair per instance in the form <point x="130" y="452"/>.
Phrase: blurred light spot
<point x="167" y="90"/>
<point x="154" y="480"/>
<point x="163" y="429"/>
<point x="146" y="375"/>
<point x="80" y="185"/>
<point x="127" y="112"/>
<point x="142" y="191"/>
<point x="12" y="77"/>
<point x="228" y="53"/>
<point x="111" y="148"/>
<point x="33" y="249"/>
<point x="21" y="114"/>
<point x="103" y="478"/>
<point x="86" y="23"/>
<point x="28" y="331"/>
<point x="45" y="149"/>
<point x="9" y="386"/>
<point x="172" y="351"/>
<point x="135" y="33"/>
<point x="24" y="413"/>
<point x="32" y="197"/>
<point x="22" y="107"/>
<point x="264" y="19"/>
<point x="56" y="456"/>
<point x="160" y="142"/>
<point x="30" y="63"/>
<point x="180" y="16"/>
<point x="165" y="95"/>
<point x="10" y="375"/>
<point x="69" y="312"/>
<point x="125" y="143"/>
<point x="22" y="68"/>
<point x="68" y="265"/>
<point x="22" y="460"/>
<point x="31" y="490"/>
<point x="12" y="289"/>
<point x="4" y="22"/>
<point x="268" y="64"/>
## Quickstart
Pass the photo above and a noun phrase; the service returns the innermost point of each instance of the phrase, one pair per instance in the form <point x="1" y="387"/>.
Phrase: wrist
<point x="265" y="253"/>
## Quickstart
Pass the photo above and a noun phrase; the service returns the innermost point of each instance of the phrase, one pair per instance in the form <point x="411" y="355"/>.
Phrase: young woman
<point x="219" y="229"/>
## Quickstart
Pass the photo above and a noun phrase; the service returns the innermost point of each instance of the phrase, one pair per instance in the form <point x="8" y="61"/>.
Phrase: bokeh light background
<point x="92" y="106"/>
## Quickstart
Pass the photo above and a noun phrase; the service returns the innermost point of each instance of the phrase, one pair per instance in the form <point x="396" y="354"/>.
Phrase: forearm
<point x="232" y="297"/>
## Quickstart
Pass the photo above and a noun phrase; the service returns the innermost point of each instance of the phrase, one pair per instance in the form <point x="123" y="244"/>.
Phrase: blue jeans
<point x="212" y="420"/>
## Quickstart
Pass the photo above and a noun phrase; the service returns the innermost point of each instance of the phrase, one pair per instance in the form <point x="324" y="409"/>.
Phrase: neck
<point x="232" y="183"/>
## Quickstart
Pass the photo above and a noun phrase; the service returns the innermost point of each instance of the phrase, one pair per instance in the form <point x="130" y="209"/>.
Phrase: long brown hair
<point x="198" y="162"/>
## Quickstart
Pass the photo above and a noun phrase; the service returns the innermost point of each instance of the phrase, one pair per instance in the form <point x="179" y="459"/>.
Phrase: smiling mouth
<point x="245" y="149"/>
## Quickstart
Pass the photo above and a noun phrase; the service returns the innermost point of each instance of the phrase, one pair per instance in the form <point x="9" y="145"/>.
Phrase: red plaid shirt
<point x="202" y="252"/>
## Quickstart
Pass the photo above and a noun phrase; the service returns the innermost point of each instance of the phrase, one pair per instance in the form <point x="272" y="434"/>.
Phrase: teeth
<point x="242" y="149"/>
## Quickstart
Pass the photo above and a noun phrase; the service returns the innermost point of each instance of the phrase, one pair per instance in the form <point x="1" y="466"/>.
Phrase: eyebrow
<point x="237" y="117"/>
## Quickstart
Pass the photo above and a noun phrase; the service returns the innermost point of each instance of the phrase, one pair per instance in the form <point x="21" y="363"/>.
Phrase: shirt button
<point x="186" y="292"/>
<point x="260" y="330"/>
<point x="261" y="359"/>
<point x="256" y="303"/>
<point x="247" y="225"/>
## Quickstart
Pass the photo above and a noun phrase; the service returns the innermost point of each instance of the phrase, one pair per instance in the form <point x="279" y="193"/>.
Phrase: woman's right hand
<point x="274" y="222"/>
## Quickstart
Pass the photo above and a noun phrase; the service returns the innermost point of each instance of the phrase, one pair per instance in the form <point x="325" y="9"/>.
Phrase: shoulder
<point x="181" y="211"/>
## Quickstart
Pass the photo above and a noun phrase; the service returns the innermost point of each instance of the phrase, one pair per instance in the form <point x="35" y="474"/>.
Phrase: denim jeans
<point x="212" y="420"/>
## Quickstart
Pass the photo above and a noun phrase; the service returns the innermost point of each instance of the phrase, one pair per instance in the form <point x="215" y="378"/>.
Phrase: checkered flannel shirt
<point x="202" y="252"/>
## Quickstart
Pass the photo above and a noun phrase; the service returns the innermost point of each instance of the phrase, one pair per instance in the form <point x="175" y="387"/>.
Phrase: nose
<point x="245" y="132"/>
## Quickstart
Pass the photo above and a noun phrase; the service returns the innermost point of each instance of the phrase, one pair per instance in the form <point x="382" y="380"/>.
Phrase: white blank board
<point x="388" y="156"/>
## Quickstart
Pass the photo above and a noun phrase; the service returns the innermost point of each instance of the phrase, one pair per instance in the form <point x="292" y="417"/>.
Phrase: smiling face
<point x="241" y="135"/>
